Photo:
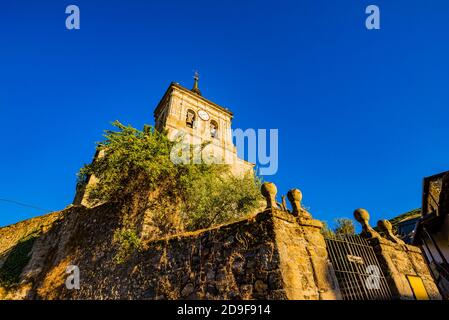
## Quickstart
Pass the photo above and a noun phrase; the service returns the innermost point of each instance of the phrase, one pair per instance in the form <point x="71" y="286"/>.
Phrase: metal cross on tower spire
<point x="196" y="78"/>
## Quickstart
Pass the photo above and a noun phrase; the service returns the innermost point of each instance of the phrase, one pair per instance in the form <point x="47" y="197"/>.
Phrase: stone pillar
<point x="306" y="271"/>
<point x="399" y="261"/>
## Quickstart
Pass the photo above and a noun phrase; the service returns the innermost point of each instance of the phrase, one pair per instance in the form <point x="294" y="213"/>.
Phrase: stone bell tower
<point x="184" y="112"/>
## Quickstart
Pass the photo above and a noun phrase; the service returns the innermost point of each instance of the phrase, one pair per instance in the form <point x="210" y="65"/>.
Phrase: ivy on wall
<point x="17" y="259"/>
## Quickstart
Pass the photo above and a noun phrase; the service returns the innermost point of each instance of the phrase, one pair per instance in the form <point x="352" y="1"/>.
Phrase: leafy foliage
<point x="16" y="261"/>
<point x="223" y="197"/>
<point x="135" y="161"/>
<point x="326" y="230"/>
<point x="344" y="226"/>
<point x="136" y="172"/>
<point x="128" y="242"/>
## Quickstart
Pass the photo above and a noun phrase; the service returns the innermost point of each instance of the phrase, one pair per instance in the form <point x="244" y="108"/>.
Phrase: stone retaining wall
<point x="270" y="256"/>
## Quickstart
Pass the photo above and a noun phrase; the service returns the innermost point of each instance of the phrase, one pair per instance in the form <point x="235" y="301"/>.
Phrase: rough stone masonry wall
<point x="304" y="263"/>
<point x="398" y="261"/>
<point x="272" y="255"/>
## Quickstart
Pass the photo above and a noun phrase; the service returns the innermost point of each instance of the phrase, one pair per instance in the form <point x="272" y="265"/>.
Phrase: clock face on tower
<point x="203" y="115"/>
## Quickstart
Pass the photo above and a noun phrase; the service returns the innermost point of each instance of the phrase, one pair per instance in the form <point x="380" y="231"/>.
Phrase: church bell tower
<point x="186" y="112"/>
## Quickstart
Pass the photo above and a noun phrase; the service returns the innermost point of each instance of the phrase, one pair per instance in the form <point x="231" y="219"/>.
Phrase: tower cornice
<point x="175" y="85"/>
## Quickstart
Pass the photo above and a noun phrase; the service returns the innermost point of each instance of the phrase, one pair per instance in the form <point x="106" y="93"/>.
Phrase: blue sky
<point x="362" y="115"/>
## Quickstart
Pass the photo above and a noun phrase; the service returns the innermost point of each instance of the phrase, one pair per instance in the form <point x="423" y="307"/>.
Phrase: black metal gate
<point x="357" y="269"/>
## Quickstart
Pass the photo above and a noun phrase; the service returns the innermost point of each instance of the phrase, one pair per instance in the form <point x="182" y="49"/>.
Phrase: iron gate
<point x="357" y="269"/>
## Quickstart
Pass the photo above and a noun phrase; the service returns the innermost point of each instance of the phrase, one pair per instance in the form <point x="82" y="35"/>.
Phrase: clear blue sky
<point x="362" y="115"/>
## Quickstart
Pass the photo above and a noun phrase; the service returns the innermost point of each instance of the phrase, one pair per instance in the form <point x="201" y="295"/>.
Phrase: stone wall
<point x="272" y="255"/>
<point x="11" y="235"/>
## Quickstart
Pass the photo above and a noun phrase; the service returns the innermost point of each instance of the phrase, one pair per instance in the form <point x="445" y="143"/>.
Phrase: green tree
<point x="326" y="230"/>
<point x="344" y="226"/>
<point x="136" y="172"/>
<point x="218" y="198"/>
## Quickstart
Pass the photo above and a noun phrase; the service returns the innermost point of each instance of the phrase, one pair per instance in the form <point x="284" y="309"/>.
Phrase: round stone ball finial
<point x="387" y="229"/>
<point x="361" y="215"/>
<point x="295" y="197"/>
<point x="385" y="226"/>
<point x="269" y="191"/>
